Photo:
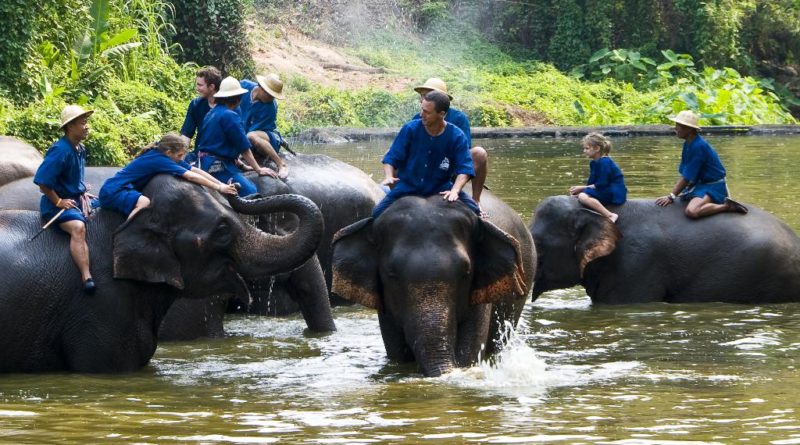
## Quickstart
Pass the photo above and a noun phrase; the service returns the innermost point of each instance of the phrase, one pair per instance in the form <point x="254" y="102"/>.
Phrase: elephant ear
<point x="597" y="237"/>
<point x="142" y="252"/>
<point x="355" y="264"/>
<point x="498" y="270"/>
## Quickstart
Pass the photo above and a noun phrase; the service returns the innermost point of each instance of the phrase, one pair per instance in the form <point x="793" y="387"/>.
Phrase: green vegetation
<point x="565" y="62"/>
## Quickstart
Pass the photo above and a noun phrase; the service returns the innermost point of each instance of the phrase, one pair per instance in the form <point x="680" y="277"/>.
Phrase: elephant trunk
<point x="259" y="254"/>
<point x="432" y="333"/>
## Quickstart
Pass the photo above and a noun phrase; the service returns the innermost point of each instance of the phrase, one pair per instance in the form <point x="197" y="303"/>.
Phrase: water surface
<point x="573" y="373"/>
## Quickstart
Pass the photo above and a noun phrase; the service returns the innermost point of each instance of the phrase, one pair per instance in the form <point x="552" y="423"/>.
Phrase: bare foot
<point x="283" y="172"/>
<point x="613" y="217"/>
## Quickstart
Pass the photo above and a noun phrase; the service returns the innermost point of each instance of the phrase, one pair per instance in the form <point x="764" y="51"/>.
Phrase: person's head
<point x="75" y="122"/>
<point x="434" y="107"/>
<point x="230" y="93"/>
<point x="432" y="84"/>
<point x="174" y="145"/>
<point x="269" y="87"/>
<point x="686" y="124"/>
<point x="207" y="81"/>
<point x="596" y="144"/>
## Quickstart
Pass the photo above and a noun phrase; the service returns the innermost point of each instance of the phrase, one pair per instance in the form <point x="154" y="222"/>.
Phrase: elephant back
<point x="17" y="160"/>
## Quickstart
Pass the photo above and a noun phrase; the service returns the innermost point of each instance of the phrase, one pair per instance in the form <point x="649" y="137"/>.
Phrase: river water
<point x="571" y="373"/>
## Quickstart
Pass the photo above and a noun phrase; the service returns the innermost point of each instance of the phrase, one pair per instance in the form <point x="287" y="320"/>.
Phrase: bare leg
<point x="77" y="246"/>
<point x="481" y="161"/>
<point x="595" y="205"/>
<point x="700" y="207"/>
<point x="141" y="203"/>
<point x="260" y="141"/>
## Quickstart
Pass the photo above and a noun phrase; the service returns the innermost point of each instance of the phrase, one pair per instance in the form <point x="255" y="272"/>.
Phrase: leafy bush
<point x="488" y="115"/>
<point x="212" y="32"/>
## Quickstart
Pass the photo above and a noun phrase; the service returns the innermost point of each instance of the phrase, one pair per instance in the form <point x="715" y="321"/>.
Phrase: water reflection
<point x="573" y="373"/>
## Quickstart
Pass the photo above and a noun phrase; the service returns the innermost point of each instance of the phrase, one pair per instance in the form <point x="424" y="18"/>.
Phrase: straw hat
<point x="434" y="83"/>
<point x="230" y="87"/>
<point x="686" y="118"/>
<point x="272" y="84"/>
<point x="72" y="112"/>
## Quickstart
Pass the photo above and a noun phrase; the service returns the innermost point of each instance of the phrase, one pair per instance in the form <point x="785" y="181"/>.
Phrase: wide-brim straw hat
<point x="434" y="83"/>
<point x="230" y="87"/>
<point x="272" y="84"/>
<point x="72" y="112"/>
<point x="686" y="118"/>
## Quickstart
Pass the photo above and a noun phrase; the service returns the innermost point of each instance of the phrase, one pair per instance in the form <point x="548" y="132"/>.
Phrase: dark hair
<point x="228" y="101"/>
<point x="440" y="100"/>
<point x="211" y="75"/>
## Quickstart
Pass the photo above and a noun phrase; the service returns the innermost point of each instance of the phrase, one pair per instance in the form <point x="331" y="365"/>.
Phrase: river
<point x="571" y="373"/>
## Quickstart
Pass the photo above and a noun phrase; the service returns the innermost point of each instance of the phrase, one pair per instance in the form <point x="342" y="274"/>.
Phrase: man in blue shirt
<point x="426" y="155"/>
<point x="60" y="178"/>
<point x="702" y="178"/>
<point x="480" y="158"/>
<point x="259" y="111"/>
<point x="206" y="84"/>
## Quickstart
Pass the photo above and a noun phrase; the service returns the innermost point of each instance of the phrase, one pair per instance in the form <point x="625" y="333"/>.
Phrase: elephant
<point x="443" y="280"/>
<point x="17" y="159"/>
<point x="657" y="254"/>
<point x="188" y="243"/>
<point x="343" y="193"/>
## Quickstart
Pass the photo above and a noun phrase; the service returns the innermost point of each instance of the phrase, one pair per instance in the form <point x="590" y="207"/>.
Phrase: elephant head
<point x="433" y="270"/>
<point x="568" y="237"/>
<point x="192" y="240"/>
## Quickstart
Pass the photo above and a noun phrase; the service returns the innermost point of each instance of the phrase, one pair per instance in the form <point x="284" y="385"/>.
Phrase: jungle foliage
<point x="559" y="62"/>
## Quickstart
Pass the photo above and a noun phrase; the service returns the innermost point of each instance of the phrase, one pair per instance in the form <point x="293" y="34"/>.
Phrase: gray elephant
<point x="657" y="254"/>
<point x="17" y="160"/>
<point x="189" y="242"/>
<point x="344" y="194"/>
<point x="443" y="280"/>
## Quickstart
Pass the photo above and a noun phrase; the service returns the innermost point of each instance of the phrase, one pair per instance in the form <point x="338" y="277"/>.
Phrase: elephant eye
<point x="222" y="234"/>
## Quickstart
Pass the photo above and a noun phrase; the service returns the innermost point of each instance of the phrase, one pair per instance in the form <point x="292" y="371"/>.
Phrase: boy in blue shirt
<point x="60" y="178"/>
<point x="702" y="178"/>
<point x="259" y="111"/>
<point x="606" y="184"/>
<point x="122" y="192"/>
<point x="223" y="139"/>
<point x="206" y="84"/>
<point x="425" y="156"/>
<point x="480" y="158"/>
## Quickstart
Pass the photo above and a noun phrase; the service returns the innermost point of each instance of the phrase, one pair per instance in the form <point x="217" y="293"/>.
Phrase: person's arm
<point x="390" y="175"/>
<point x="669" y="199"/>
<point x="213" y="183"/>
<point x="204" y="173"/>
<point x="56" y="200"/>
<point x="251" y="161"/>
<point x="452" y="194"/>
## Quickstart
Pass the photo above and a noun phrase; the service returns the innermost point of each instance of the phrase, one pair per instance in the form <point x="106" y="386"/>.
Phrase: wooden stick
<point x="52" y="220"/>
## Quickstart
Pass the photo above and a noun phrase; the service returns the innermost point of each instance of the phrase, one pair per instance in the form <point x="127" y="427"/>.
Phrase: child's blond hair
<point x="595" y="139"/>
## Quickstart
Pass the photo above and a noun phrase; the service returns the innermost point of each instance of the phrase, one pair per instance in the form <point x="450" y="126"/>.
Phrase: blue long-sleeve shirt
<point x="426" y="163"/>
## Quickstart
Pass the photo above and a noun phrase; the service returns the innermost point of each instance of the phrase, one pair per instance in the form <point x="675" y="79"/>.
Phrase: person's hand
<point x="575" y="189"/>
<point x="66" y="204"/>
<point x="265" y="171"/>
<point x="449" y="195"/>
<point x="227" y="189"/>
<point x="390" y="181"/>
<point x="664" y="201"/>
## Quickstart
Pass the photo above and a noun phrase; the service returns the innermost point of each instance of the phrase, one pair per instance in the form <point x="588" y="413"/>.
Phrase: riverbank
<point x="341" y="135"/>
